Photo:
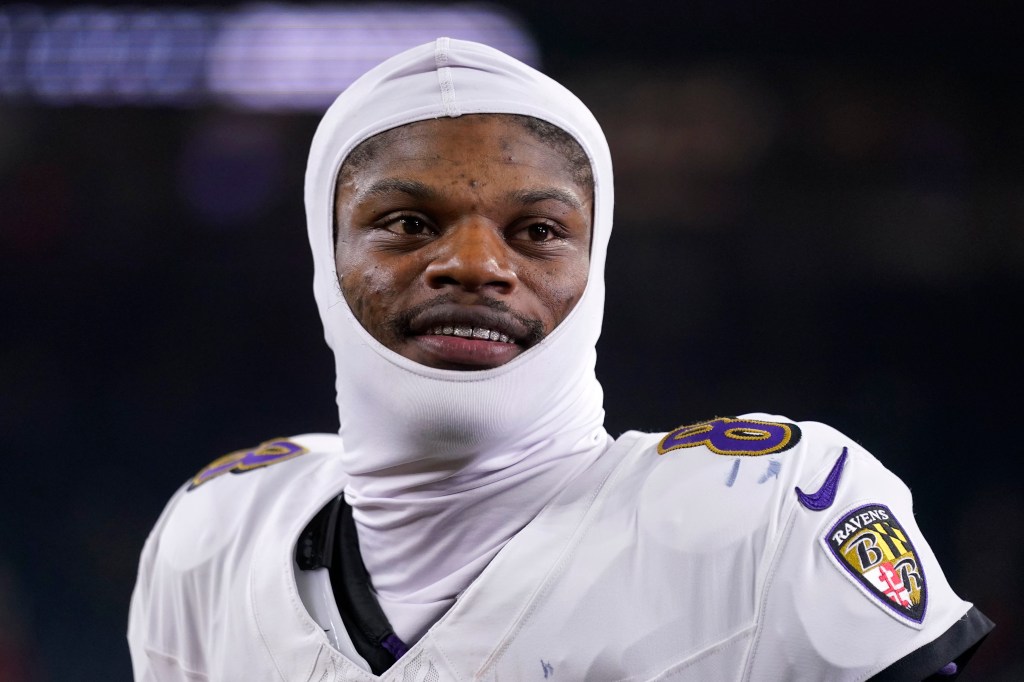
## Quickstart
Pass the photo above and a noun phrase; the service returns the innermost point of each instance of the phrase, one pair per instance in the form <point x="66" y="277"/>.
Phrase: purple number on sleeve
<point x="270" y="452"/>
<point x="729" y="436"/>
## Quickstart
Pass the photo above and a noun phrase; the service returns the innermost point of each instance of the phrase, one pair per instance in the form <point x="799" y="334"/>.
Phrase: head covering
<point x="424" y="446"/>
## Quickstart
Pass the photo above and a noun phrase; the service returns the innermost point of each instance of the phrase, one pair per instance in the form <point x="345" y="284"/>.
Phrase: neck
<point x="427" y="532"/>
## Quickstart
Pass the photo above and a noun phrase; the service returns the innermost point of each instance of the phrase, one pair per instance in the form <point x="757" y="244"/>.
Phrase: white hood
<point x="424" y="447"/>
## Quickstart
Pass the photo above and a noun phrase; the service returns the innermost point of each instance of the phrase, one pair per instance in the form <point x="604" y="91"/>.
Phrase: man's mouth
<point x="479" y="335"/>
<point x="481" y="321"/>
<point x="468" y="332"/>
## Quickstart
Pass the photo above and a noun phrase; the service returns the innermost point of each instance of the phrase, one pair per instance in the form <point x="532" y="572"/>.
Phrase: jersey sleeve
<point x="854" y="591"/>
<point x="151" y="618"/>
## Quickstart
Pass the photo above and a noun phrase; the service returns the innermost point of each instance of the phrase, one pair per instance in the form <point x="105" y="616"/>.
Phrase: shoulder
<point x="758" y="451"/>
<point x="744" y="467"/>
<point x="720" y="491"/>
<point x="267" y="453"/>
<point x="237" y="489"/>
<point x="198" y="558"/>
<point x="756" y="435"/>
<point x="825" y="534"/>
<point x="799" y="489"/>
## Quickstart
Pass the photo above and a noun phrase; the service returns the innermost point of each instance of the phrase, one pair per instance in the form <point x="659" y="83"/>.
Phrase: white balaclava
<point x="445" y="466"/>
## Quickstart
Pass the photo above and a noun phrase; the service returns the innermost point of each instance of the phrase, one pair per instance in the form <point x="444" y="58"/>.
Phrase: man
<point x="473" y="519"/>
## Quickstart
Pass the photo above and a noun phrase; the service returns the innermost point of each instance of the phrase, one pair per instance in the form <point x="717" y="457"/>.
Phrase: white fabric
<point x="645" y="567"/>
<point x="446" y="466"/>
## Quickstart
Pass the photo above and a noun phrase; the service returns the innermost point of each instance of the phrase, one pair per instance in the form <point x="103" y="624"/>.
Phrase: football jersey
<point x="749" y="548"/>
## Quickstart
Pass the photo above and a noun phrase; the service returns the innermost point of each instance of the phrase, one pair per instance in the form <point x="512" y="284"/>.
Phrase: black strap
<point x="315" y="548"/>
<point x="330" y="541"/>
<point x="956" y="645"/>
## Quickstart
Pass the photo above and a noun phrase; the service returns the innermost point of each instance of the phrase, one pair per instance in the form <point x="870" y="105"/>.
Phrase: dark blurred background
<point x="820" y="214"/>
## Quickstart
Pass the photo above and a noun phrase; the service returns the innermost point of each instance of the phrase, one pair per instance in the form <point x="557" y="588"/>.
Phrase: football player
<point x="472" y="519"/>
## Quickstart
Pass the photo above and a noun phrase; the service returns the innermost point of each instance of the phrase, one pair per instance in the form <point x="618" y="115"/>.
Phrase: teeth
<point x="471" y="332"/>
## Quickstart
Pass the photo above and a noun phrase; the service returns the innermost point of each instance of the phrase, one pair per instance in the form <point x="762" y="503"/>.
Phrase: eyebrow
<point x="534" y="196"/>
<point x="414" y="189"/>
<point x="419" y="190"/>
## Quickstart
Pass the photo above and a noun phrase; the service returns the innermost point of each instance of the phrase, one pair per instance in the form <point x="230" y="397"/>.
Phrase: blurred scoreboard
<point x="261" y="56"/>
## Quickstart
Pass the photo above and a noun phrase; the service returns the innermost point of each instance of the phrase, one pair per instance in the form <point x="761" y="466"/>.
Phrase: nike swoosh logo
<point x="826" y="494"/>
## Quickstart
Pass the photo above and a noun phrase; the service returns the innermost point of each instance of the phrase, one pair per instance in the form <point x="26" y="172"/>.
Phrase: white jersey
<point x="737" y="549"/>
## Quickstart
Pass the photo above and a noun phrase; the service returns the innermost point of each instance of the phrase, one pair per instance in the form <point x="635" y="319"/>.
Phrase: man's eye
<point x="408" y="225"/>
<point x="538" y="232"/>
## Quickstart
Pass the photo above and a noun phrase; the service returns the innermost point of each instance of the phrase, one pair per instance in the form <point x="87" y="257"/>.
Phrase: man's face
<point x="462" y="241"/>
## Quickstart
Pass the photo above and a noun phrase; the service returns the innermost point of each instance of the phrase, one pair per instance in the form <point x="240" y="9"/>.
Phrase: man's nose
<point x="472" y="255"/>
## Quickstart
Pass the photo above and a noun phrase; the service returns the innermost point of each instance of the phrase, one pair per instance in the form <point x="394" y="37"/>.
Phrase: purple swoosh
<point x="826" y="494"/>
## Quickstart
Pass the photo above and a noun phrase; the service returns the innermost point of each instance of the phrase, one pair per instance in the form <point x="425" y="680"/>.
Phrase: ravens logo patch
<point x="873" y="549"/>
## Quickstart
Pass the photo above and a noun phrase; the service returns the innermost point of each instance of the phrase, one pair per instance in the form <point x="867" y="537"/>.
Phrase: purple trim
<point x="826" y="494"/>
<point x="395" y="646"/>
<point x="948" y="669"/>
